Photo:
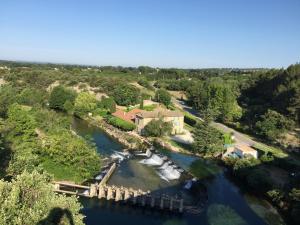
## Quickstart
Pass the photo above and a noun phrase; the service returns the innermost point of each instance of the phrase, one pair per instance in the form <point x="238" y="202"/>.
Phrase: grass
<point x="275" y="151"/>
<point x="177" y="144"/>
<point x="149" y="107"/>
<point x="203" y="169"/>
<point x="61" y="172"/>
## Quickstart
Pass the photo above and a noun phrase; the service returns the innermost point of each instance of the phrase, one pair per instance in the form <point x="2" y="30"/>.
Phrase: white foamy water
<point x="147" y="154"/>
<point x="118" y="155"/>
<point x="169" y="173"/>
<point x="154" y="160"/>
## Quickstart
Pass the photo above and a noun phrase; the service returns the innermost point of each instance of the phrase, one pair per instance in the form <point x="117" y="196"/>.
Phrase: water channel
<point x="132" y="173"/>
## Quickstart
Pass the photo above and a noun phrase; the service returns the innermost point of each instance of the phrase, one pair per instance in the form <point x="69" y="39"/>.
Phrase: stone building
<point x="175" y="117"/>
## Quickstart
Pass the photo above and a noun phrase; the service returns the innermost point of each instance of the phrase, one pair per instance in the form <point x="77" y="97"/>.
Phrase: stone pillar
<point x="135" y="196"/>
<point x="152" y="201"/>
<point x="93" y="190"/>
<point x="56" y="186"/>
<point x="181" y="206"/>
<point x="101" y="193"/>
<point x="118" y="195"/>
<point x="126" y="194"/>
<point x="109" y="193"/>
<point x="144" y="200"/>
<point x="162" y="202"/>
<point x="171" y="203"/>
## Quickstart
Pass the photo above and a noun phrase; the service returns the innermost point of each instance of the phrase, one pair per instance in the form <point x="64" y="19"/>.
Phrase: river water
<point x="132" y="173"/>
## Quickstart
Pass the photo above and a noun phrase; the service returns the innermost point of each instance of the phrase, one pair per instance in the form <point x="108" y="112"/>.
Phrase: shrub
<point x="157" y="128"/>
<point x="190" y="120"/>
<point x="119" y="123"/>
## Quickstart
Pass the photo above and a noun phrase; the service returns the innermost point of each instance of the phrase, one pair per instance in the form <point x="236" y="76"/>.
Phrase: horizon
<point x="190" y="35"/>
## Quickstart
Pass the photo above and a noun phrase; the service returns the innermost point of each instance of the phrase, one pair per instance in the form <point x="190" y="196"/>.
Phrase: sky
<point x="158" y="33"/>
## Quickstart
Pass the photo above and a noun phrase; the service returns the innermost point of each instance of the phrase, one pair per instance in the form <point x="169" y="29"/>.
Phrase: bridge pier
<point x="181" y="206"/>
<point x="118" y="195"/>
<point x="171" y="203"/>
<point x="101" y="193"/>
<point x="93" y="190"/>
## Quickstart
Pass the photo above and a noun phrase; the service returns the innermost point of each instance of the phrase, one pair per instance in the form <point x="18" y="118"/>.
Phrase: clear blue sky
<point x="164" y="33"/>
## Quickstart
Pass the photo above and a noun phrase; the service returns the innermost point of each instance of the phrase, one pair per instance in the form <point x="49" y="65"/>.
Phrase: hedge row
<point x="119" y="123"/>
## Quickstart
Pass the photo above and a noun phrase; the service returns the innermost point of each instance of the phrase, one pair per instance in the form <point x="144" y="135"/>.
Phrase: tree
<point x="22" y="121"/>
<point x="163" y="96"/>
<point x="207" y="140"/>
<point x="108" y="103"/>
<point x="7" y="97"/>
<point x="126" y="95"/>
<point x="58" y="97"/>
<point x="31" y="96"/>
<point x="157" y="128"/>
<point x="272" y="124"/>
<point x="215" y="100"/>
<point x="29" y="199"/>
<point x="85" y="103"/>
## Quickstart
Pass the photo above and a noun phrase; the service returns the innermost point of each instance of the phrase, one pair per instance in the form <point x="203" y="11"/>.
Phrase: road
<point x="239" y="137"/>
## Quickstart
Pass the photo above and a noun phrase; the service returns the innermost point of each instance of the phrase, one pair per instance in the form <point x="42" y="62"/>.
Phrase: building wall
<point x="177" y="123"/>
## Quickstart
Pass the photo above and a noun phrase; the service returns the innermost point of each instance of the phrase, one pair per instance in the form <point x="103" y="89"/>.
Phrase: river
<point x="221" y="192"/>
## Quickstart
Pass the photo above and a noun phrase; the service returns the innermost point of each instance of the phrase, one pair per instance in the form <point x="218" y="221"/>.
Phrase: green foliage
<point x="157" y="128"/>
<point x="85" y="103"/>
<point x="22" y="121"/>
<point x="126" y="95"/>
<point x="259" y="179"/>
<point x="163" y="96"/>
<point x="272" y="125"/>
<point x="121" y="124"/>
<point x="109" y="104"/>
<point x="215" y="100"/>
<point x="73" y="152"/>
<point x="223" y="215"/>
<point x="29" y="199"/>
<point x="189" y="119"/>
<point x="58" y="97"/>
<point x="7" y="97"/>
<point x="207" y="140"/>
<point x="277" y="90"/>
<point x="31" y="96"/>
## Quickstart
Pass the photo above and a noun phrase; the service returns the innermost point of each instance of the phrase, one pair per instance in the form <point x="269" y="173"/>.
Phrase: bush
<point x="157" y="128"/>
<point x="190" y="120"/>
<point x="119" y="123"/>
<point x="58" y="97"/>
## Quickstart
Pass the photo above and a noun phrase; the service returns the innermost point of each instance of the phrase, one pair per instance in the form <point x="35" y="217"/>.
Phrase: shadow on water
<point x="56" y="216"/>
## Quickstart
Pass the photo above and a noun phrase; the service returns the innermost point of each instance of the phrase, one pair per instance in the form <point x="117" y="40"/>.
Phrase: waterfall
<point x="117" y="155"/>
<point x="154" y="160"/>
<point x="169" y="173"/>
<point x="165" y="165"/>
<point x="147" y="154"/>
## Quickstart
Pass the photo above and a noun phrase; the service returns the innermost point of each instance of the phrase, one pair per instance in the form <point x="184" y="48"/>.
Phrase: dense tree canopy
<point x="58" y="97"/>
<point x="29" y="199"/>
<point x="157" y="128"/>
<point x="126" y="95"/>
<point x="207" y="140"/>
<point x="163" y="97"/>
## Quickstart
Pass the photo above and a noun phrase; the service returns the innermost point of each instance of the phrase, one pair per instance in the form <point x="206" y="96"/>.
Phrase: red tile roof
<point x="128" y="116"/>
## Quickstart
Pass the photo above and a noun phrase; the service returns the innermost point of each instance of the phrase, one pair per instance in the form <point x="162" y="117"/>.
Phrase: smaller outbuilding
<point x="240" y="151"/>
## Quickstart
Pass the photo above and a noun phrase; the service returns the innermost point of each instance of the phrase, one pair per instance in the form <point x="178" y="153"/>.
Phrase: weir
<point x="122" y="194"/>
